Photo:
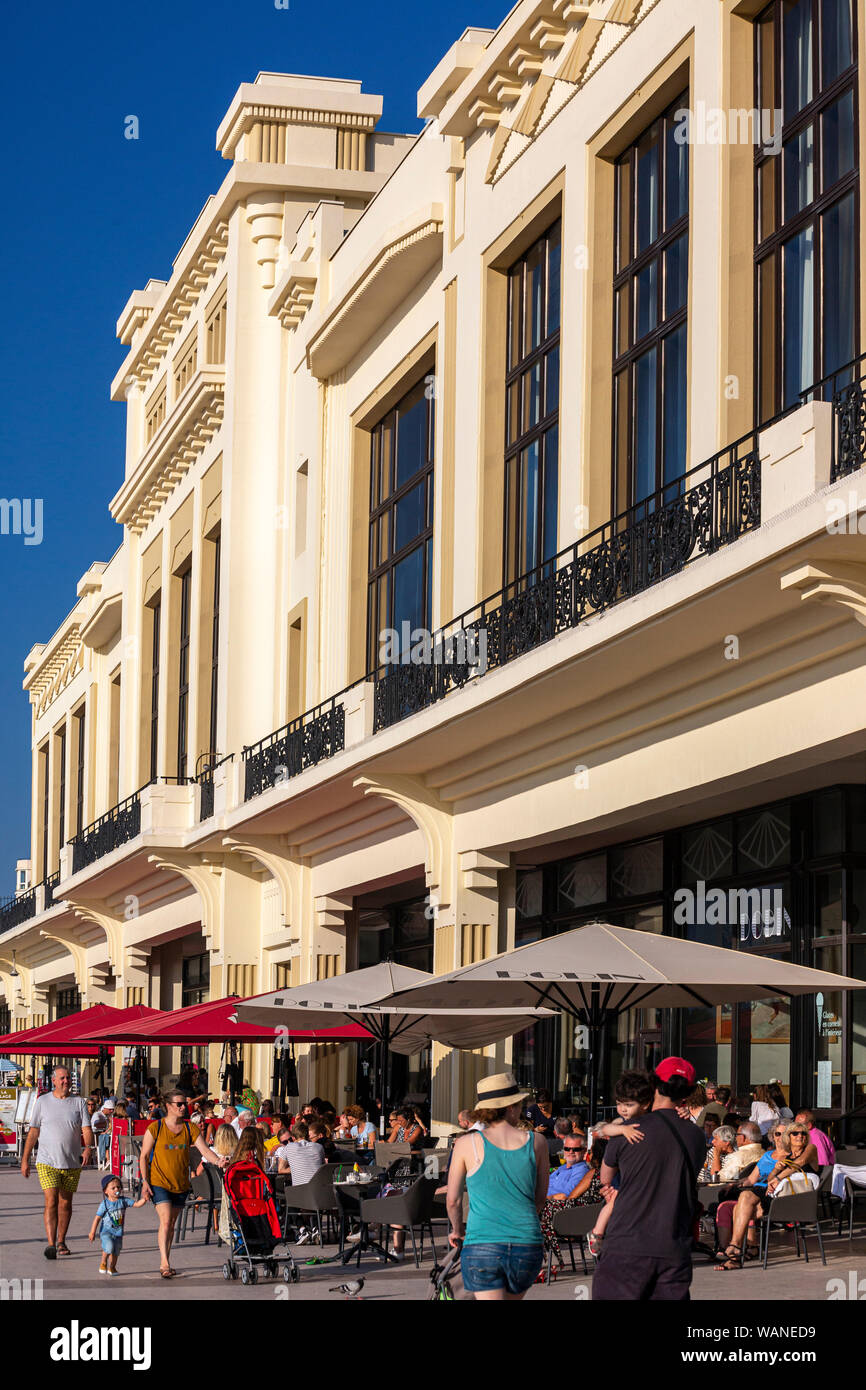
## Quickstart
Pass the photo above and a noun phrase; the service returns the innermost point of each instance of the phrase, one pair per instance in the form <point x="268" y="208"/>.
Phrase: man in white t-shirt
<point x="61" y="1124"/>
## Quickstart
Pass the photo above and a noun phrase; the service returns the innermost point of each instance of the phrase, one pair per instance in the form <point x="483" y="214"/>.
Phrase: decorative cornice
<point x="296" y="293"/>
<point x="190" y="426"/>
<point x="53" y="674"/>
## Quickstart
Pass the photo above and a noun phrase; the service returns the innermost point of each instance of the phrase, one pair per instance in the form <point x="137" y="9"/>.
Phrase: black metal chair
<point x="574" y="1224"/>
<point x="314" y="1198"/>
<point x="410" y="1209"/>
<point x="854" y="1193"/>
<point x="799" y="1210"/>
<point x="205" y="1195"/>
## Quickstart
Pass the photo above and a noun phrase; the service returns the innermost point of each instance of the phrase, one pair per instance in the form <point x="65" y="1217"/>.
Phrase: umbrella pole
<point x="383" y="1088"/>
<point x="594" y="1027"/>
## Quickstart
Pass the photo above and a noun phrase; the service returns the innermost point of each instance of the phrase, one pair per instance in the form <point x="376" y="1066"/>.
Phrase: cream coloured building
<point x="567" y="383"/>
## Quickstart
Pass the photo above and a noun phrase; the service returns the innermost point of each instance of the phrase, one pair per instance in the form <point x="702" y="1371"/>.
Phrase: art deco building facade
<point x="569" y="381"/>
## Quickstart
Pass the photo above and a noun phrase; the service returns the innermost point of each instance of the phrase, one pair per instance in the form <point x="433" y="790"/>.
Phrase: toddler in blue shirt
<point x="108" y="1221"/>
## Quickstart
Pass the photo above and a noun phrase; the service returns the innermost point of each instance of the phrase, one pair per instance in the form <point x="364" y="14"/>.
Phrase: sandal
<point x="729" y="1253"/>
<point x="50" y="1252"/>
<point x="166" y="1273"/>
<point x="63" y="1248"/>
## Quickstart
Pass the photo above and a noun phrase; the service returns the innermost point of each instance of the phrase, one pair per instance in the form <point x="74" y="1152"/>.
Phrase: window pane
<point x="797" y="83"/>
<point x="676" y="275"/>
<point x="828" y="903"/>
<point x="837" y="133"/>
<point x="581" y="882"/>
<point x="645" y="382"/>
<point x="675" y="404"/>
<point x="534" y="325"/>
<point x="551" y="489"/>
<point x="554" y="257"/>
<point x="512" y="552"/>
<point x="386" y="458"/>
<point x="828" y="1032"/>
<point x="858" y="1028"/>
<point x="647" y="192"/>
<point x="799" y="326"/>
<point x="768" y="322"/>
<point x="384" y="537"/>
<point x="767" y="64"/>
<point x="622" y="320"/>
<point x="410" y="516"/>
<point x="513" y="411"/>
<point x="551" y="399"/>
<point x="646" y="300"/>
<point x="799" y="172"/>
<point x="676" y="175"/>
<point x="532" y="381"/>
<point x="409" y="591"/>
<point x="411" y="435"/>
<point x="767" y="198"/>
<point x="636" y="869"/>
<point x="836" y="39"/>
<point x="621" y="454"/>
<point x="840" y="290"/>
<point x="529" y="461"/>
<point x="623" y="239"/>
<point x="515" y="315"/>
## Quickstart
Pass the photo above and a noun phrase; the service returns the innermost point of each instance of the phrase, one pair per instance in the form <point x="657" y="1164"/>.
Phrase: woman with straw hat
<point x="505" y="1171"/>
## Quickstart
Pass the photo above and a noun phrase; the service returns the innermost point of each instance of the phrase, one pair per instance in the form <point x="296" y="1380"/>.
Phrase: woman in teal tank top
<point x="505" y="1171"/>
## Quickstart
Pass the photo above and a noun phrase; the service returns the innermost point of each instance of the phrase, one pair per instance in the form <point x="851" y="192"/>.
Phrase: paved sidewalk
<point x="22" y="1239"/>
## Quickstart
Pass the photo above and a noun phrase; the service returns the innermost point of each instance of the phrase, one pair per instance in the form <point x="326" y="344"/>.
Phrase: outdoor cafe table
<point x="841" y="1171"/>
<point x="349" y="1197"/>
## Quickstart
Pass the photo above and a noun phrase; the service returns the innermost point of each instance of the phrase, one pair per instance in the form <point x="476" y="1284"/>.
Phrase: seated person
<point x="407" y="1130"/>
<point x="562" y="1129"/>
<point x="540" y="1114"/>
<point x="575" y="1183"/>
<point x="734" y="1150"/>
<point x="300" y="1157"/>
<point x="824" y="1147"/>
<point x="791" y="1153"/>
<point x="356" y="1126"/>
<point x="715" y="1104"/>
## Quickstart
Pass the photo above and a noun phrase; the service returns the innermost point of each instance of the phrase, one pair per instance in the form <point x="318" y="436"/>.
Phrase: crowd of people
<point x="515" y="1157"/>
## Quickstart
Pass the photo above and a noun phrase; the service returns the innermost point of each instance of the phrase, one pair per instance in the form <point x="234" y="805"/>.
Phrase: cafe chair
<point x="315" y="1198"/>
<point x="854" y="1193"/>
<point x="205" y="1195"/>
<point x="410" y="1209"/>
<point x="799" y="1210"/>
<point x="574" y="1224"/>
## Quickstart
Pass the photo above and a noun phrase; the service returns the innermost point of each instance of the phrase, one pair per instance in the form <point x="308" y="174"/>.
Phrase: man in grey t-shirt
<point x="298" y="1156"/>
<point x="61" y="1124"/>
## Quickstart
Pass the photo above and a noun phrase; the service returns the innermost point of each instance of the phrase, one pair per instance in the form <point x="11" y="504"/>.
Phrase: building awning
<point x="68" y="1037"/>
<point x="217" y="1022"/>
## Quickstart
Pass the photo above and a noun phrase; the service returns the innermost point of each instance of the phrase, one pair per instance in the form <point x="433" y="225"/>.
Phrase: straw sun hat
<point x="500" y="1091"/>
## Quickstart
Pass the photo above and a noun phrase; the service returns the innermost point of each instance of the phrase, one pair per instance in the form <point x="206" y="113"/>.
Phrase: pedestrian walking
<point x="59" y="1122"/>
<point x="646" y="1254"/>
<point x="108" y="1221"/>
<point x="165" y="1170"/>
<point x="505" y="1171"/>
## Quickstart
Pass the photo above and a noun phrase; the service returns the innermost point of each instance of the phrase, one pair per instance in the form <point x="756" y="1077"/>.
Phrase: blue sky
<point x="89" y="216"/>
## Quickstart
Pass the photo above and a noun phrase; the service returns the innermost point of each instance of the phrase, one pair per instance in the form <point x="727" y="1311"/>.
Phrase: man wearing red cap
<point x="647" y="1247"/>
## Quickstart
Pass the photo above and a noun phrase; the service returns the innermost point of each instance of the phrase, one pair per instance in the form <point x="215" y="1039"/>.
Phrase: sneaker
<point x="112" y="1272"/>
<point x="103" y="1269"/>
<point x="595" y="1244"/>
<point x="304" y="1237"/>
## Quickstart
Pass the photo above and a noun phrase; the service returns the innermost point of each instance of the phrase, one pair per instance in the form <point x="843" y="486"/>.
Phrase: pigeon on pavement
<point x="351" y="1290"/>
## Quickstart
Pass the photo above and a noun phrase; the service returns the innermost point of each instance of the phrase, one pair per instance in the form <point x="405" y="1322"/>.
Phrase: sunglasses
<point x="574" y="1148"/>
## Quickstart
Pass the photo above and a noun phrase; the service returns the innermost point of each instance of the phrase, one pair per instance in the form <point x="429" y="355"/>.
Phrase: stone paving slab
<point x="76" y="1278"/>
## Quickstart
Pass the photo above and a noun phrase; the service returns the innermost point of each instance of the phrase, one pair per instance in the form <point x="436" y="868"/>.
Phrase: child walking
<point x="108" y="1221"/>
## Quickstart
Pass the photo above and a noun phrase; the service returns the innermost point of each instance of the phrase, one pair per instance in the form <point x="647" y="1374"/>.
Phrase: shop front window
<point x="827" y="1031"/>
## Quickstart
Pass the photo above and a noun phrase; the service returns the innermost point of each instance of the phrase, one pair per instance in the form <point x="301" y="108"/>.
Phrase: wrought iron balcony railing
<point x="16" y="910"/>
<point x="117" y="827"/>
<point x="846" y="388"/>
<point x="49" y="883"/>
<point x="304" y="742"/>
<point x="709" y="507"/>
<point x="205" y="778"/>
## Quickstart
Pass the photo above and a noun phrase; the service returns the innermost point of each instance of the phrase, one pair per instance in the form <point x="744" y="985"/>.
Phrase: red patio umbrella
<point x="68" y="1037"/>
<point x="215" y="1022"/>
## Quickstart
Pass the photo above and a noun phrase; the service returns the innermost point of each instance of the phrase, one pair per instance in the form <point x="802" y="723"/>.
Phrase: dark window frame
<point x="215" y="634"/>
<point x="81" y="761"/>
<point x="383" y="509"/>
<point x="625" y="279"/>
<point x="518" y="365"/>
<point x="183" y="673"/>
<point x="61" y="790"/>
<point x="156" y="624"/>
<point x="787" y="230"/>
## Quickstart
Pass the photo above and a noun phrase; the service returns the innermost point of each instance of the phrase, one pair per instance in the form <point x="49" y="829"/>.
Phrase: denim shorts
<point x="111" y="1245"/>
<point x="512" y="1267"/>
<point x="165" y="1194"/>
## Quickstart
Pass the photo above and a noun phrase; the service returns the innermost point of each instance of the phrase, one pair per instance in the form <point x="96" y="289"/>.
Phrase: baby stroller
<point x="441" y="1276"/>
<point x="255" y="1227"/>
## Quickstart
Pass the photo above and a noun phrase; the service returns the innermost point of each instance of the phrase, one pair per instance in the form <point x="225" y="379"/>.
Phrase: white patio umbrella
<point x="599" y="970"/>
<point x="358" y="998"/>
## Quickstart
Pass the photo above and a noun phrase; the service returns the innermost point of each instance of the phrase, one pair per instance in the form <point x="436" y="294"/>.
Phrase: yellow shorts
<point x="66" y="1179"/>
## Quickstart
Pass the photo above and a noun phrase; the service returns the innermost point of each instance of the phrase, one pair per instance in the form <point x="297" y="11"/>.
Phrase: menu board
<point x="8" y="1105"/>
